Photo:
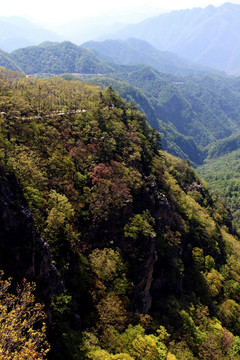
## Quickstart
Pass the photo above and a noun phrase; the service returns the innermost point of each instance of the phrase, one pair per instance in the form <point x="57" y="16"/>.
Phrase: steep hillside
<point x="150" y="267"/>
<point x="204" y="108"/>
<point x="172" y="140"/>
<point x="23" y="253"/>
<point x="207" y="36"/>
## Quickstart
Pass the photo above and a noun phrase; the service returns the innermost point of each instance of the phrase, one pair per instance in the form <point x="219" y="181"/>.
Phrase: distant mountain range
<point x="135" y="51"/>
<point x="17" y="32"/>
<point x="209" y="36"/>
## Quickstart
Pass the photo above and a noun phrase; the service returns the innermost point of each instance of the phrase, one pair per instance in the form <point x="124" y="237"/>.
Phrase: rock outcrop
<point x="144" y="270"/>
<point x="23" y="253"/>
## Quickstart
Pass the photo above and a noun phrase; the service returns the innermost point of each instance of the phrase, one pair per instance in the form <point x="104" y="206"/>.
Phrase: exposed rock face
<point x="144" y="276"/>
<point x="23" y="253"/>
<point x="161" y="208"/>
<point x="144" y="270"/>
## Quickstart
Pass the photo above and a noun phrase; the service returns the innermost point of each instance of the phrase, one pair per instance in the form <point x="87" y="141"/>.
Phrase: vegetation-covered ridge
<point x="56" y="58"/>
<point x="150" y="267"/>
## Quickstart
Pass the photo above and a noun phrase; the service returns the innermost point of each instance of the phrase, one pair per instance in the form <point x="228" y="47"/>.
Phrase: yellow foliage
<point x="144" y="348"/>
<point x="171" y="357"/>
<point x="104" y="263"/>
<point x="192" y="210"/>
<point x="112" y="312"/>
<point x="214" y="281"/>
<point x="121" y="357"/>
<point x="19" y="339"/>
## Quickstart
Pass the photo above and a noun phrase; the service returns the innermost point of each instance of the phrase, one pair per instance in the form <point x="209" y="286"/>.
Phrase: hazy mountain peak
<point x="17" y="32"/>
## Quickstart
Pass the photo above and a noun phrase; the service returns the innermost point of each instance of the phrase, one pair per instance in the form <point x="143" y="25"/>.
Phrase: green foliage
<point x="181" y="350"/>
<point x="58" y="230"/>
<point x="110" y="191"/>
<point x="129" y="335"/>
<point x="236" y="346"/>
<point x="191" y="111"/>
<point x="214" y="282"/>
<point x="141" y="225"/>
<point x="61" y="303"/>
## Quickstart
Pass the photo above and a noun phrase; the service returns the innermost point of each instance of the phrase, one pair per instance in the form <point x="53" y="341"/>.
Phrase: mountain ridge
<point x="135" y="51"/>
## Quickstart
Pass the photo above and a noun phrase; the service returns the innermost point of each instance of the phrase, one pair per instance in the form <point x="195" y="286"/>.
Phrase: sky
<point x="51" y="12"/>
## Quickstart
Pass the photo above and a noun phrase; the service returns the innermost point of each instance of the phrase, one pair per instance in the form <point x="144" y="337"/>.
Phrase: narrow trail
<point x="55" y="113"/>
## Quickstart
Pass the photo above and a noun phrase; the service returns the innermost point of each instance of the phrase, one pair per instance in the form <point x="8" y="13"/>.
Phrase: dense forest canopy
<point x="147" y="256"/>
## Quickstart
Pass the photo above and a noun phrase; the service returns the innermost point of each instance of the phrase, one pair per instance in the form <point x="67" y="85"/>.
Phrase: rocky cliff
<point x="23" y="253"/>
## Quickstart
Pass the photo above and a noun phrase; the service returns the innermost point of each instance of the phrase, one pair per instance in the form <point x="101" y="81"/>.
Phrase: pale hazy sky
<point x="56" y="11"/>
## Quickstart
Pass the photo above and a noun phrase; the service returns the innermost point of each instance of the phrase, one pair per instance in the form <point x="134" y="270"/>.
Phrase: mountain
<point x="58" y="58"/>
<point x="17" y="32"/>
<point x="136" y="51"/>
<point x="147" y="257"/>
<point x="209" y="36"/>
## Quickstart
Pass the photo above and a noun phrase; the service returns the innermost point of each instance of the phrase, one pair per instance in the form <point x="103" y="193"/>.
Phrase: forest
<point x="148" y="259"/>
